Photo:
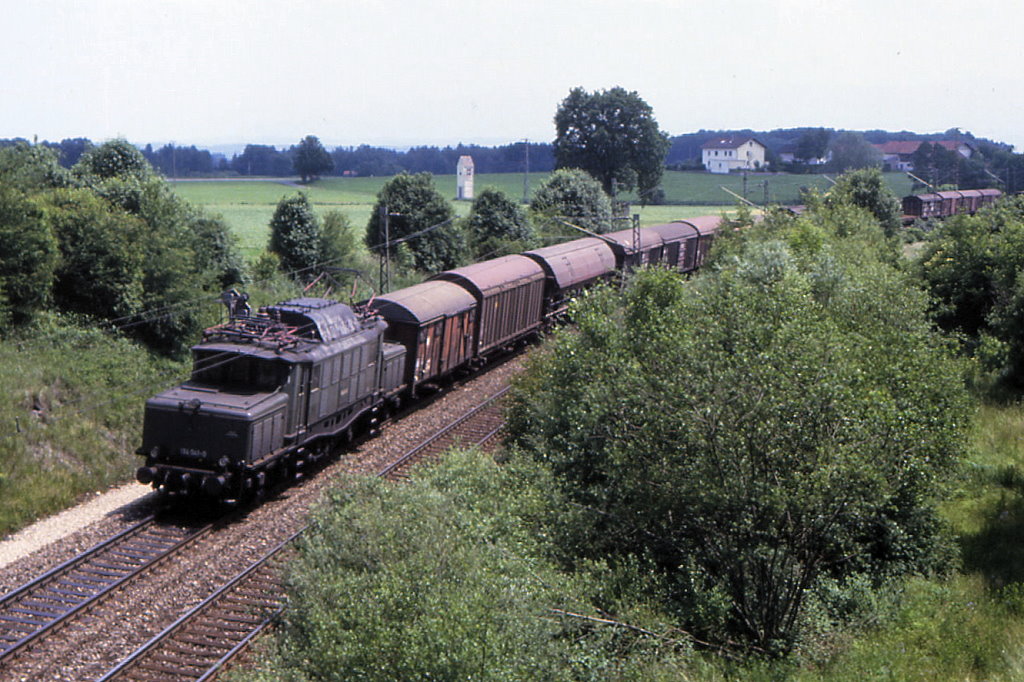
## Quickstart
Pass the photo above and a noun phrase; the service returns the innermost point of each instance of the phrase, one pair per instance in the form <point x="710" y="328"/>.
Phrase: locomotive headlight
<point x="223" y="462"/>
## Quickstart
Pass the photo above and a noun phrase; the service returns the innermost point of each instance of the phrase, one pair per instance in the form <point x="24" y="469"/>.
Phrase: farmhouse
<point x="726" y="154"/>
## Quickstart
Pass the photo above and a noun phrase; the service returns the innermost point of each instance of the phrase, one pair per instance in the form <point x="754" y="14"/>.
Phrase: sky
<point x="440" y="72"/>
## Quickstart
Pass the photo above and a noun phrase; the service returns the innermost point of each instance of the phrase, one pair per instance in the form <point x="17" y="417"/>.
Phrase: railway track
<point x="200" y="643"/>
<point x="40" y="607"/>
<point x="478" y="427"/>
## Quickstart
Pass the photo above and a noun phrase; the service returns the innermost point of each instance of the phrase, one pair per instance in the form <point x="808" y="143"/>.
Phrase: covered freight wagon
<point x="572" y="266"/>
<point x="679" y="241"/>
<point x="435" y="321"/>
<point x="629" y="255"/>
<point x="509" y="292"/>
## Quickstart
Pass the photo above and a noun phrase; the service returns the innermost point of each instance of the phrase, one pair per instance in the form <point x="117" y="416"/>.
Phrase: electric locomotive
<point x="268" y="393"/>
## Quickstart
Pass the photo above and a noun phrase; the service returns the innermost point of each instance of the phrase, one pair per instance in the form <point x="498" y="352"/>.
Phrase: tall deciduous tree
<point x="311" y="160"/>
<point x="851" y="151"/>
<point x="813" y="144"/>
<point x="295" y="236"/>
<point x="611" y="134"/>
<point x="413" y="205"/>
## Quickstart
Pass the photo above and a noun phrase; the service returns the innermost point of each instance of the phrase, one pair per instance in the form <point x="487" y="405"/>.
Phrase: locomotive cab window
<point x="238" y="372"/>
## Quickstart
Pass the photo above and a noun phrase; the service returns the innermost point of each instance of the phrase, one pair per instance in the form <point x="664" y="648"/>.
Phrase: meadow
<point x="248" y="204"/>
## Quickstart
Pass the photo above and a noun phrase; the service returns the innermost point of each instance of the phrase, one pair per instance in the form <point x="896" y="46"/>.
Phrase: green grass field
<point x="248" y="205"/>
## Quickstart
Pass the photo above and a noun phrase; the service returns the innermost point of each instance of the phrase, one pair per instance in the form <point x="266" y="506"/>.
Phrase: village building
<point x="896" y="154"/>
<point x="789" y="154"/>
<point x="464" y="174"/>
<point x="726" y="154"/>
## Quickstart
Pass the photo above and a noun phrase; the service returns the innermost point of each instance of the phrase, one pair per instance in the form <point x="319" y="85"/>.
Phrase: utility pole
<point x="636" y="233"/>
<point x="526" y="172"/>
<point x="385" y="264"/>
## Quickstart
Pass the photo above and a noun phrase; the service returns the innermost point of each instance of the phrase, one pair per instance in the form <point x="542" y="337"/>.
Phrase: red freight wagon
<point x="679" y="239"/>
<point x="707" y="226"/>
<point x="509" y="292"/>
<point x="435" y="322"/>
<point x="572" y="266"/>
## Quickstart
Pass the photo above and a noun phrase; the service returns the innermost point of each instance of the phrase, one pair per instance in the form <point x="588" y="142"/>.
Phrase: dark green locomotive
<point x="268" y="394"/>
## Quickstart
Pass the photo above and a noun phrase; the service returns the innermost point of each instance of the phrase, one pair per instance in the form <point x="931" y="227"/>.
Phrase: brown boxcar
<point x="950" y="202"/>
<point x="922" y="205"/>
<point x="435" y="322"/>
<point x="707" y="227"/>
<point x="678" y="239"/>
<point x="572" y="266"/>
<point x="629" y="255"/>
<point x="509" y="292"/>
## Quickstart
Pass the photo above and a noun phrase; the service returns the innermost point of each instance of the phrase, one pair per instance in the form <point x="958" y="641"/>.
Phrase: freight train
<point x="274" y="391"/>
<point x="947" y="203"/>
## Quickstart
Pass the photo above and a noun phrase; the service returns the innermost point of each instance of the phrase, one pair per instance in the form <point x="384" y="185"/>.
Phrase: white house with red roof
<point x="726" y="154"/>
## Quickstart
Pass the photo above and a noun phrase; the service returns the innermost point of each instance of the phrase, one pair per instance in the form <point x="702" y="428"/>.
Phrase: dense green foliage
<point x="867" y="189"/>
<point x="108" y="239"/>
<point x="497" y="226"/>
<point x="311" y="160"/>
<point x="768" y="437"/>
<point x="28" y="256"/>
<point x="611" y="134"/>
<point x="438" y="579"/>
<point x="102" y="269"/>
<point x="851" y="151"/>
<point x="971" y="266"/>
<point x="337" y="240"/>
<point x="418" y="217"/>
<point x="295" y="237"/>
<point x="573" y="196"/>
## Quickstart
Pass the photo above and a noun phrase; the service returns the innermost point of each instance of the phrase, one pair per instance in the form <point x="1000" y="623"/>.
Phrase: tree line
<point x="994" y="163"/>
<point x="362" y="160"/>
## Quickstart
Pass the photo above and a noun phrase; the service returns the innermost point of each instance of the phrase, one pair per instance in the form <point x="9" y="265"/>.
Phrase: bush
<point x="437" y="579"/>
<point x="497" y="226"/>
<point x="414" y="205"/>
<point x="971" y="267"/>
<point x="571" y="195"/>
<point x="29" y="255"/>
<point x="789" y="419"/>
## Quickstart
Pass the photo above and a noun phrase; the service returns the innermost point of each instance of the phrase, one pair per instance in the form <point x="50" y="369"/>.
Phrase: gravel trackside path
<point x="59" y="526"/>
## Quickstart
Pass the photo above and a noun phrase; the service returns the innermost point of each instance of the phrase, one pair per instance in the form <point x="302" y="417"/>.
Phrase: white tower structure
<point x="464" y="171"/>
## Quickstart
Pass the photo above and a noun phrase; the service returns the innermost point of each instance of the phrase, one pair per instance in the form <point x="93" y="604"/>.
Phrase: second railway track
<point x="41" y="606"/>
